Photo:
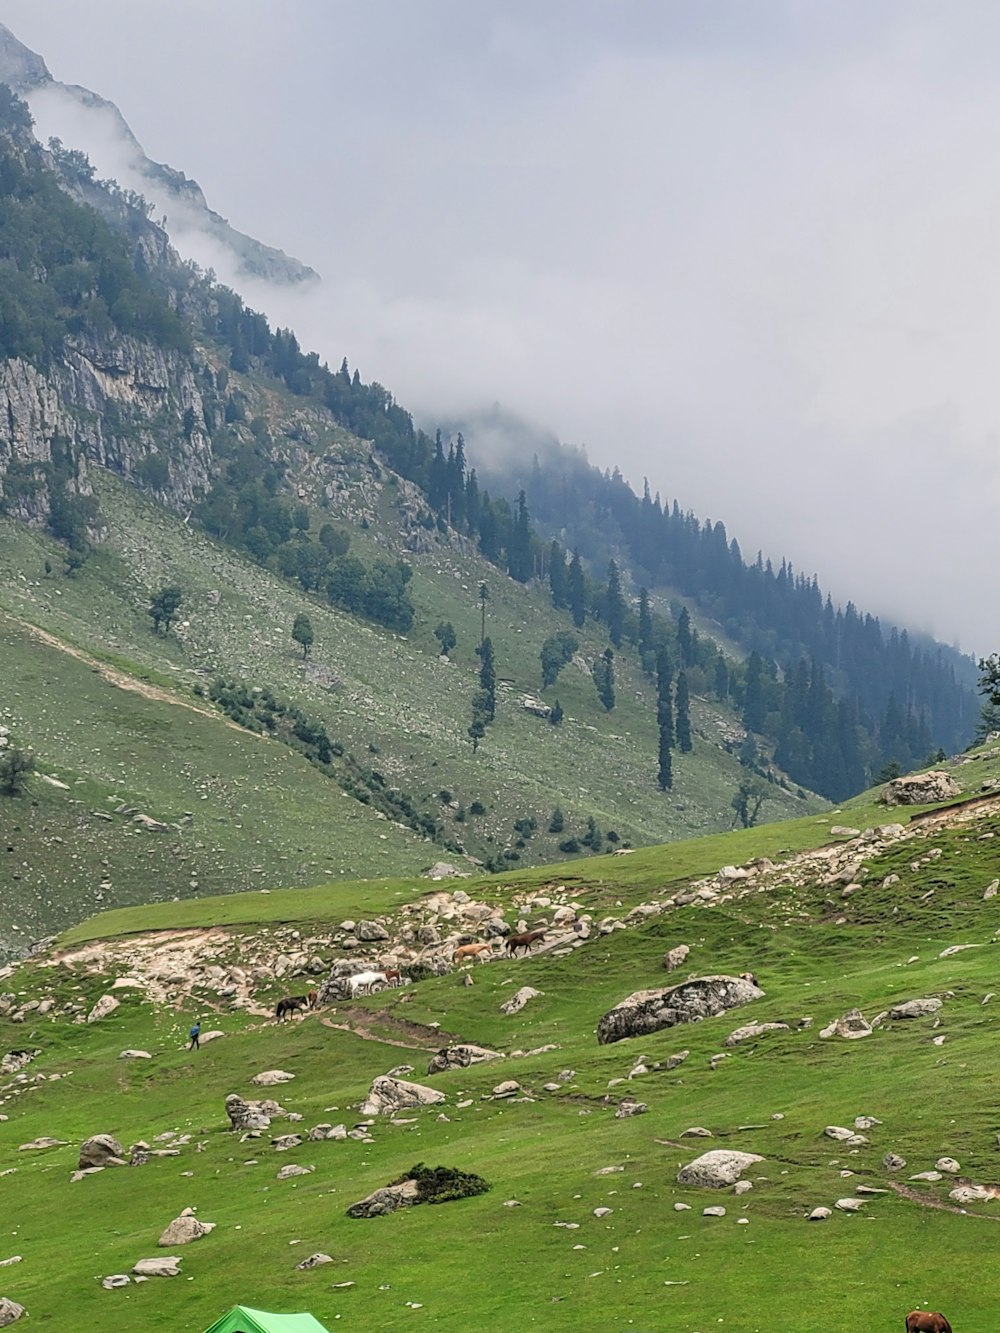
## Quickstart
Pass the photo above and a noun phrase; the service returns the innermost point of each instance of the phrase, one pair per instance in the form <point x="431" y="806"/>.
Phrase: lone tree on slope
<point x="164" y="606"/>
<point x="302" y="633"/>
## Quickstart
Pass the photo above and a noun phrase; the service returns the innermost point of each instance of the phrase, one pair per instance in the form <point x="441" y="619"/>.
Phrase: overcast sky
<point x="747" y="249"/>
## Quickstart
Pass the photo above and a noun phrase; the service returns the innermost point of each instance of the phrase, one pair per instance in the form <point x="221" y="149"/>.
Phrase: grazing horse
<point x="926" y="1321"/>
<point x="471" y="951"/>
<point x="525" y="941"/>
<point x="288" y="1006"/>
<point x="313" y="998"/>
<point x="363" y="983"/>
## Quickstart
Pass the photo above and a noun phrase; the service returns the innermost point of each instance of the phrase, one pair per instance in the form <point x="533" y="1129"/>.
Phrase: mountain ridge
<point x="26" y="73"/>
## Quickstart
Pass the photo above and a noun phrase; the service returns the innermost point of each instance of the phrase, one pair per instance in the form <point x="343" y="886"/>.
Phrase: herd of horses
<point x="366" y="983"/>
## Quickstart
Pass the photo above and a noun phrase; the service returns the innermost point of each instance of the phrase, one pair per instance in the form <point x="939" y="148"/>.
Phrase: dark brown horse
<point x="289" y="1005"/>
<point x="926" y="1321"/>
<point x="525" y="941"/>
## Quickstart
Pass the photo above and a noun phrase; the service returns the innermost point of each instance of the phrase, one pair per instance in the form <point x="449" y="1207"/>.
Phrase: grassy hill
<point x="118" y="715"/>
<point x="549" y="1262"/>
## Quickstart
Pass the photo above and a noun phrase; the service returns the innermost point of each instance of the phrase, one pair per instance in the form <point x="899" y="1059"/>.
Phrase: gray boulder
<point x="387" y="1200"/>
<point x="920" y="789"/>
<point x="850" y="1026"/>
<point x="184" y="1229"/>
<point x="100" y="1150"/>
<point x="915" y="1008"/>
<point x="107" y="1004"/>
<point x="691" y="1001"/>
<point x="716" y="1169"/>
<point x="167" y="1266"/>
<point x="751" y="1030"/>
<point x="370" y="932"/>
<point x="673" y="958"/>
<point x="245" y="1114"/>
<point x="10" y="1311"/>
<point x="517" y="1001"/>
<point x="388" y="1095"/>
<point x="316" y="1260"/>
<point x="461" y="1056"/>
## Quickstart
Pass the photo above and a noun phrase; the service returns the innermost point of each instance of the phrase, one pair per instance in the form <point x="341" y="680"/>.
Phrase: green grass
<point x="477" y="1263"/>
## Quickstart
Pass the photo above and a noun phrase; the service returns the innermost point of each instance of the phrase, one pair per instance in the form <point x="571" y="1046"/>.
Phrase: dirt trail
<point x="365" y="1024"/>
<point x="926" y="1201"/>
<point x="121" y="679"/>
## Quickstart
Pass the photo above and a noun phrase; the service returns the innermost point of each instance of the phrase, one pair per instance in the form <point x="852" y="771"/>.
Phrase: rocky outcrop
<point x="518" y="1000"/>
<point x="111" y="400"/>
<point x="461" y="1056"/>
<point x="388" y="1095"/>
<point x="106" y="1005"/>
<point x="184" y="1229"/>
<point x="167" y="1266"/>
<point x="850" y="1026"/>
<point x="387" y="1200"/>
<point x="716" y="1169"/>
<point x="920" y="789"/>
<point x="244" y="1115"/>
<point x="10" y="1311"/>
<point x="648" y="1011"/>
<point x="100" y="1150"/>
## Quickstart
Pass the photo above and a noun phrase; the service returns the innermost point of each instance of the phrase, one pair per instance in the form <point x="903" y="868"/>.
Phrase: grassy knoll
<point x="479" y="1263"/>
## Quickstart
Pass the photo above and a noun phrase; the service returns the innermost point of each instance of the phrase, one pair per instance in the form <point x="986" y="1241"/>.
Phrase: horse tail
<point x="945" y="1326"/>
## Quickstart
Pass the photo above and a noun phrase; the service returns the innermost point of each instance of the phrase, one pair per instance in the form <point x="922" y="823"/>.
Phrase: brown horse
<point x="313" y="999"/>
<point x="525" y="941"/>
<point x="926" y="1321"/>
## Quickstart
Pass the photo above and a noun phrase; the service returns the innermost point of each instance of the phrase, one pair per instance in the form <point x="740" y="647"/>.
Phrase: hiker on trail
<point x="194" y="1034"/>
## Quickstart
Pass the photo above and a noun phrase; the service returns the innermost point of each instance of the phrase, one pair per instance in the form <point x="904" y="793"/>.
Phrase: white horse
<point x="363" y="983"/>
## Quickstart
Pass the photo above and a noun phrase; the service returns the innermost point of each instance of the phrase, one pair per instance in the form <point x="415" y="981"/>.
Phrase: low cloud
<point x="747" y="252"/>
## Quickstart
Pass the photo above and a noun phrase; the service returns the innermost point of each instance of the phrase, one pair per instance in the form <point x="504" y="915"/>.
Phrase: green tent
<point x="241" y="1319"/>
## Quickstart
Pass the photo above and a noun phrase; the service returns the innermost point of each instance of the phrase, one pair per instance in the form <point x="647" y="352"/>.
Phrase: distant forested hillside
<point x="828" y="693"/>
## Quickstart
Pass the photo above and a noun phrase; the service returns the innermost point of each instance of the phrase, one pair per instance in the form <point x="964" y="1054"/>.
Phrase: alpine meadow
<point x="403" y="810"/>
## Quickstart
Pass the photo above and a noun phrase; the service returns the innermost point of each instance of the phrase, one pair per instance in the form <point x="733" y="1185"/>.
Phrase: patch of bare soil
<point x="372" y="1025"/>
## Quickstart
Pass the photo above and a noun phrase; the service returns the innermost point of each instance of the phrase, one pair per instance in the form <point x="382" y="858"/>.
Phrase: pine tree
<point x="488" y="677"/>
<point x="684" y="637"/>
<point x="645" y="644"/>
<point x="664" y="719"/>
<point x="753" y="701"/>
<point x="557" y="575"/>
<point x="519" y="548"/>
<point x="683" y="714"/>
<point x="615" y="606"/>
<point x="665" y="773"/>
<point x="437" y="490"/>
<point x="576" y="591"/>
<point x="603" y="672"/>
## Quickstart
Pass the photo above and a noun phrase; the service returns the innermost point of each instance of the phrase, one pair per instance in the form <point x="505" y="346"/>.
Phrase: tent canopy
<point x="241" y="1319"/>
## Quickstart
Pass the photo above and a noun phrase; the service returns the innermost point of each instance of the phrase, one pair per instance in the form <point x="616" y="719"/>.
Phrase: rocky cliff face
<point x="115" y="401"/>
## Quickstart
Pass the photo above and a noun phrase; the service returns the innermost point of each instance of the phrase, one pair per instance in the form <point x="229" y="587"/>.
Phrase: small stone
<point x="715" y="1211"/>
<point x="819" y="1214"/>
